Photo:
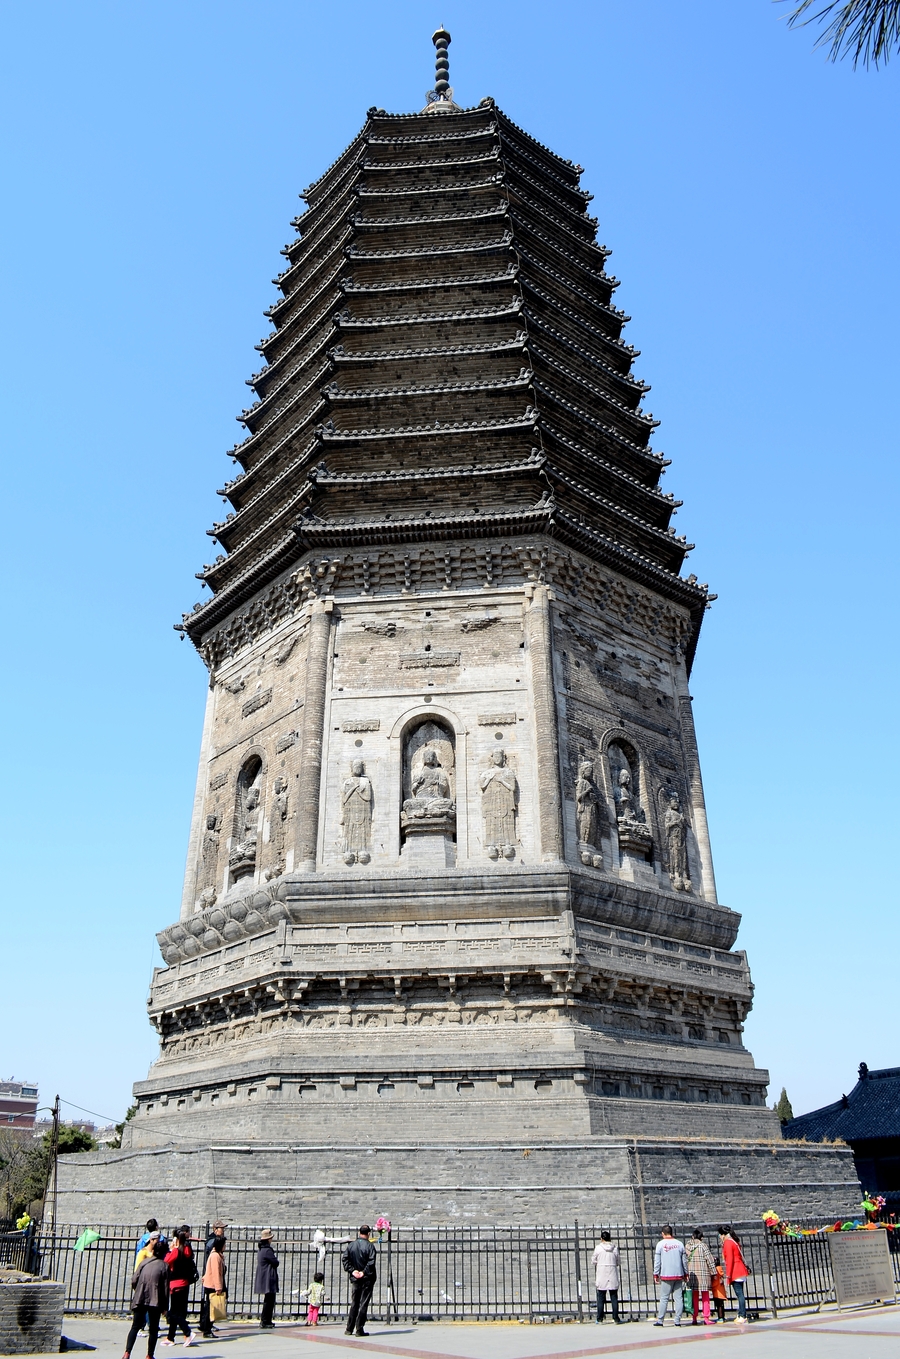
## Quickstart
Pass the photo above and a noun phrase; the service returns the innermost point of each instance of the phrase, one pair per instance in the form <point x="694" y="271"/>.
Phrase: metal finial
<point x="442" y="93"/>
<point x="441" y="40"/>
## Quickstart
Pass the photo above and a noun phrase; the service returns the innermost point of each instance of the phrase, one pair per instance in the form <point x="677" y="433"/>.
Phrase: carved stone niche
<point x="635" y="836"/>
<point x="428" y="817"/>
<point x="242" y="859"/>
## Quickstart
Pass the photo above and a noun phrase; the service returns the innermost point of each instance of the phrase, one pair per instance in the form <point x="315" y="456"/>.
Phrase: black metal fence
<point x="447" y="1273"/>
<point x="18" y="1249"/>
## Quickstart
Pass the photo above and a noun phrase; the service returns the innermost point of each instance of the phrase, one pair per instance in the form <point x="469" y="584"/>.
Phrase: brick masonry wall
<point x="31" y="1317"/>
<point x="601" y="1179"/>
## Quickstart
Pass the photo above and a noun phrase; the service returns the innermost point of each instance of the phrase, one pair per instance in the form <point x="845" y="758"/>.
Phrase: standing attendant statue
<point x="278" y="820"/>
<point x="210" y="852"/>
<point x="587" y="812"/>
<point x="676" y="839"/>
<point x="356" y="815"/>
<point x="498" y="807"/>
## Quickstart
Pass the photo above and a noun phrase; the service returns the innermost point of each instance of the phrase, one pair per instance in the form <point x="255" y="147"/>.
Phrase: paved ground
<point x="870" y="1333"/>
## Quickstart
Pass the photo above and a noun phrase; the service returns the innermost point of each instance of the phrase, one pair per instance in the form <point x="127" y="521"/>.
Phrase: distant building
<point x="868" y="1120"/>
<point x="18" y="1103"/>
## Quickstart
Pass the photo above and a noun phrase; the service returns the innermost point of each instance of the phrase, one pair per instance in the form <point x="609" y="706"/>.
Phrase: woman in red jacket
<point x="182" y="1274"/>
<point x="736" y="1269"/>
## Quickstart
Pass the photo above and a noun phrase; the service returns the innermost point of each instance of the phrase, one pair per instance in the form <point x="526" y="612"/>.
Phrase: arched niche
<point x="628" y="788"/>
<point x="243" y="855"/>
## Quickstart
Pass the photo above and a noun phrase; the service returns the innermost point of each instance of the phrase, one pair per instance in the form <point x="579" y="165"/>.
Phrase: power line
<point x="92" y="1112"/>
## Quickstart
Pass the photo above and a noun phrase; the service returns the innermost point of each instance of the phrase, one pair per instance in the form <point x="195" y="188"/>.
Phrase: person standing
<point x="736" y="1269"/>
<point x="151" y="1230"/>
<point x="149" y="1300"/>
<point x="718" y="1292"/>
<point x="605" y="1260"/>
<point x="358" y="1260"/>
<point x="213" y="1282"/>
<point x="182" y="1274"/>
<point x="266" y="1281"/>
<point x="216" y="1235"/>
<point x="701" y="1268"/>
<point x="669" y="1270"/>
<point x="315" y="1296"/>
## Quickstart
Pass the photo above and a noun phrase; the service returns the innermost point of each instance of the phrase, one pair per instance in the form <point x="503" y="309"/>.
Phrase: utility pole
<point x="50" y="1195"/>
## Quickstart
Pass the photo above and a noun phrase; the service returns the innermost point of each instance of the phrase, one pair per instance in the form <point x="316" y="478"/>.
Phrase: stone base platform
<point x="597" y="1179"/>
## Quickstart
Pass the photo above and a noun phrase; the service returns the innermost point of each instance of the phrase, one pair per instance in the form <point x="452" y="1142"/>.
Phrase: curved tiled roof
<point x="409" y="358"/>
<point x="870" y="1111"/>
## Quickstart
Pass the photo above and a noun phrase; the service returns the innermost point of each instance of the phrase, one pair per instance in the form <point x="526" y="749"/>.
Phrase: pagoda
<point x="449" y="929"/>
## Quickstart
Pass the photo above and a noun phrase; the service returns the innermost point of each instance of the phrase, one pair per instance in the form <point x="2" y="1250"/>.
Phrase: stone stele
<point x="449" y="893"/>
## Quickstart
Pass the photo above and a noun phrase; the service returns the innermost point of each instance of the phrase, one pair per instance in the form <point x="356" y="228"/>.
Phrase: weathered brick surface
<point x="31" y="1317"/>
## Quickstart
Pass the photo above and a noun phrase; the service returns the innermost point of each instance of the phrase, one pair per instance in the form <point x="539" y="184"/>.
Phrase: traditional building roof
<point x="445" y="305"/>
<point x="870" y="1111"/>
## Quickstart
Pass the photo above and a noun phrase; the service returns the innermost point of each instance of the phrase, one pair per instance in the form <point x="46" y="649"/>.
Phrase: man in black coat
<point x="358" y="1260"/>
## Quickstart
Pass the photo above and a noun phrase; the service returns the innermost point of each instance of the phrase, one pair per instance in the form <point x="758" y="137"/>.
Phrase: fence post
<point x="771" y="1273"/>
<point x="530" y="1304"/>
<point x="578" y="1272"/>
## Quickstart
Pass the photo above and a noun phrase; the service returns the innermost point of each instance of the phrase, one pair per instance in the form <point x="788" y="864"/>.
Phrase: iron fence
<point x="18" y="1250"/>
<point x="446" y="1273"/>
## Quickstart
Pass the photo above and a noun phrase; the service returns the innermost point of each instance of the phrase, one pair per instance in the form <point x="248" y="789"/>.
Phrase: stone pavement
<point x="869" y="1333"/>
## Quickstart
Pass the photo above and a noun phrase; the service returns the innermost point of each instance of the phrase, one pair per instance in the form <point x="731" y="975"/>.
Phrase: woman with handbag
<point x="214" y="1283"/>
<point x="736" y="1269"/>
<point x="701" y="1268"/>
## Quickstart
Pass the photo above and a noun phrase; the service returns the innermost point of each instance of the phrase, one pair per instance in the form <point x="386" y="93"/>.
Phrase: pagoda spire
<point x="440" y="99"/>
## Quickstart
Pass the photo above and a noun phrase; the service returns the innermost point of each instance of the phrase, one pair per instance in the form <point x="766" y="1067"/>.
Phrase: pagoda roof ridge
<point x="319" y="217"/>
<point x="441" y="427"/>
<point x="259" y="406"/>
<point x="417" y="191"/>
<point x="616" y="312"/>
<point x="245" y="547"/>
<point x="268" y="369"/>
<point x="581" y="414"/>
<point x="478" y="158"/>
<point x="666" y="536"/>
<point x="544" y="169"/>
<point x="647" y="420"/>
<point x="282" y="303"/>
<point x="540" y="324"/>
<point x="482" y="109"/>
<point x="440" y="136"/>
<point x="284" y="331"/>
<point x="280" y="280"/>
<point x="450" y="281"/>
<point x="360" y="137"/>
<point x="244" y="448"/>
<point x="534" y="462"/>
<point x="426" y="318"/>
<point x="561" y="248"/>
<point x="521" y="379"/>
<point x="552" y="432"/>
<point x="513" y="173"/>
<point x="368" y="223"/>
<point x="641" y="566"/>
<point x="570" y="312"/>
<point x="340" y="185"/>
<point x="532" y="205"/>
<point x="419" y="527"/>
<point x="215" y="609"/>
<point x="517" y="341"/>
<point x="428" y="252"/>
<point x="504" y="119"/>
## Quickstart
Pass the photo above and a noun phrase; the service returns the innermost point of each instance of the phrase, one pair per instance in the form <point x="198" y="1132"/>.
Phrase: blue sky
<point x="152" y="157"/>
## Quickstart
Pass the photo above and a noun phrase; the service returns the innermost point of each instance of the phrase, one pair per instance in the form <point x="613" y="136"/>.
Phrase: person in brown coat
<point x="214" y="1278"/>
<point x="149" y="1300"/>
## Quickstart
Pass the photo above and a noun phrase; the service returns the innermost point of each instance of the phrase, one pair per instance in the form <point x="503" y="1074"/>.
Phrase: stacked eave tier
<point x="446" y="361"/>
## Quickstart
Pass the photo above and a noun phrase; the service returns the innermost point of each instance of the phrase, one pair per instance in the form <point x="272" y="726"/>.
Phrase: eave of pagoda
<point x="659" y="545"/>
<point x="430" y="165"/>
<point x="555" y="163"/>
<point x="648" y="502"/>
<point x="579" y="390"/>
<point x="338" y="166"/>
<point x="596" y="367"/>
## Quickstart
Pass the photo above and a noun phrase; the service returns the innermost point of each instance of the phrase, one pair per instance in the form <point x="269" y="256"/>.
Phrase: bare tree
<point x="866" y="30"/>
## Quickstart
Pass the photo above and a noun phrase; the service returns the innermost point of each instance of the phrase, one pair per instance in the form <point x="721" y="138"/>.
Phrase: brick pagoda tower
<point x="449" y="892"/>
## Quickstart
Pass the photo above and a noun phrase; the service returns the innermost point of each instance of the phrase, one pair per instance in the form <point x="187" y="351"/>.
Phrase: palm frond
<point x="866" y="30"/>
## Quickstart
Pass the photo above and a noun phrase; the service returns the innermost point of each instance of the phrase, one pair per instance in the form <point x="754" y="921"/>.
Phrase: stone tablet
<point x="861" y="1263"/>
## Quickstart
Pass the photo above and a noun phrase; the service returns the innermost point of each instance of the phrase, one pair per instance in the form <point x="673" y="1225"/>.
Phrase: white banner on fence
<point x="861" y="1262"/>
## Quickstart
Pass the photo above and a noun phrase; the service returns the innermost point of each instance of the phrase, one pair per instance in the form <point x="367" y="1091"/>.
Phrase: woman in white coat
<point x="605" y="1261"/>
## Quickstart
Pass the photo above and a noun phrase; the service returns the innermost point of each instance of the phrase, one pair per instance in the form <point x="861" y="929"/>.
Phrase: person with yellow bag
<point x="214" y="1282"/>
